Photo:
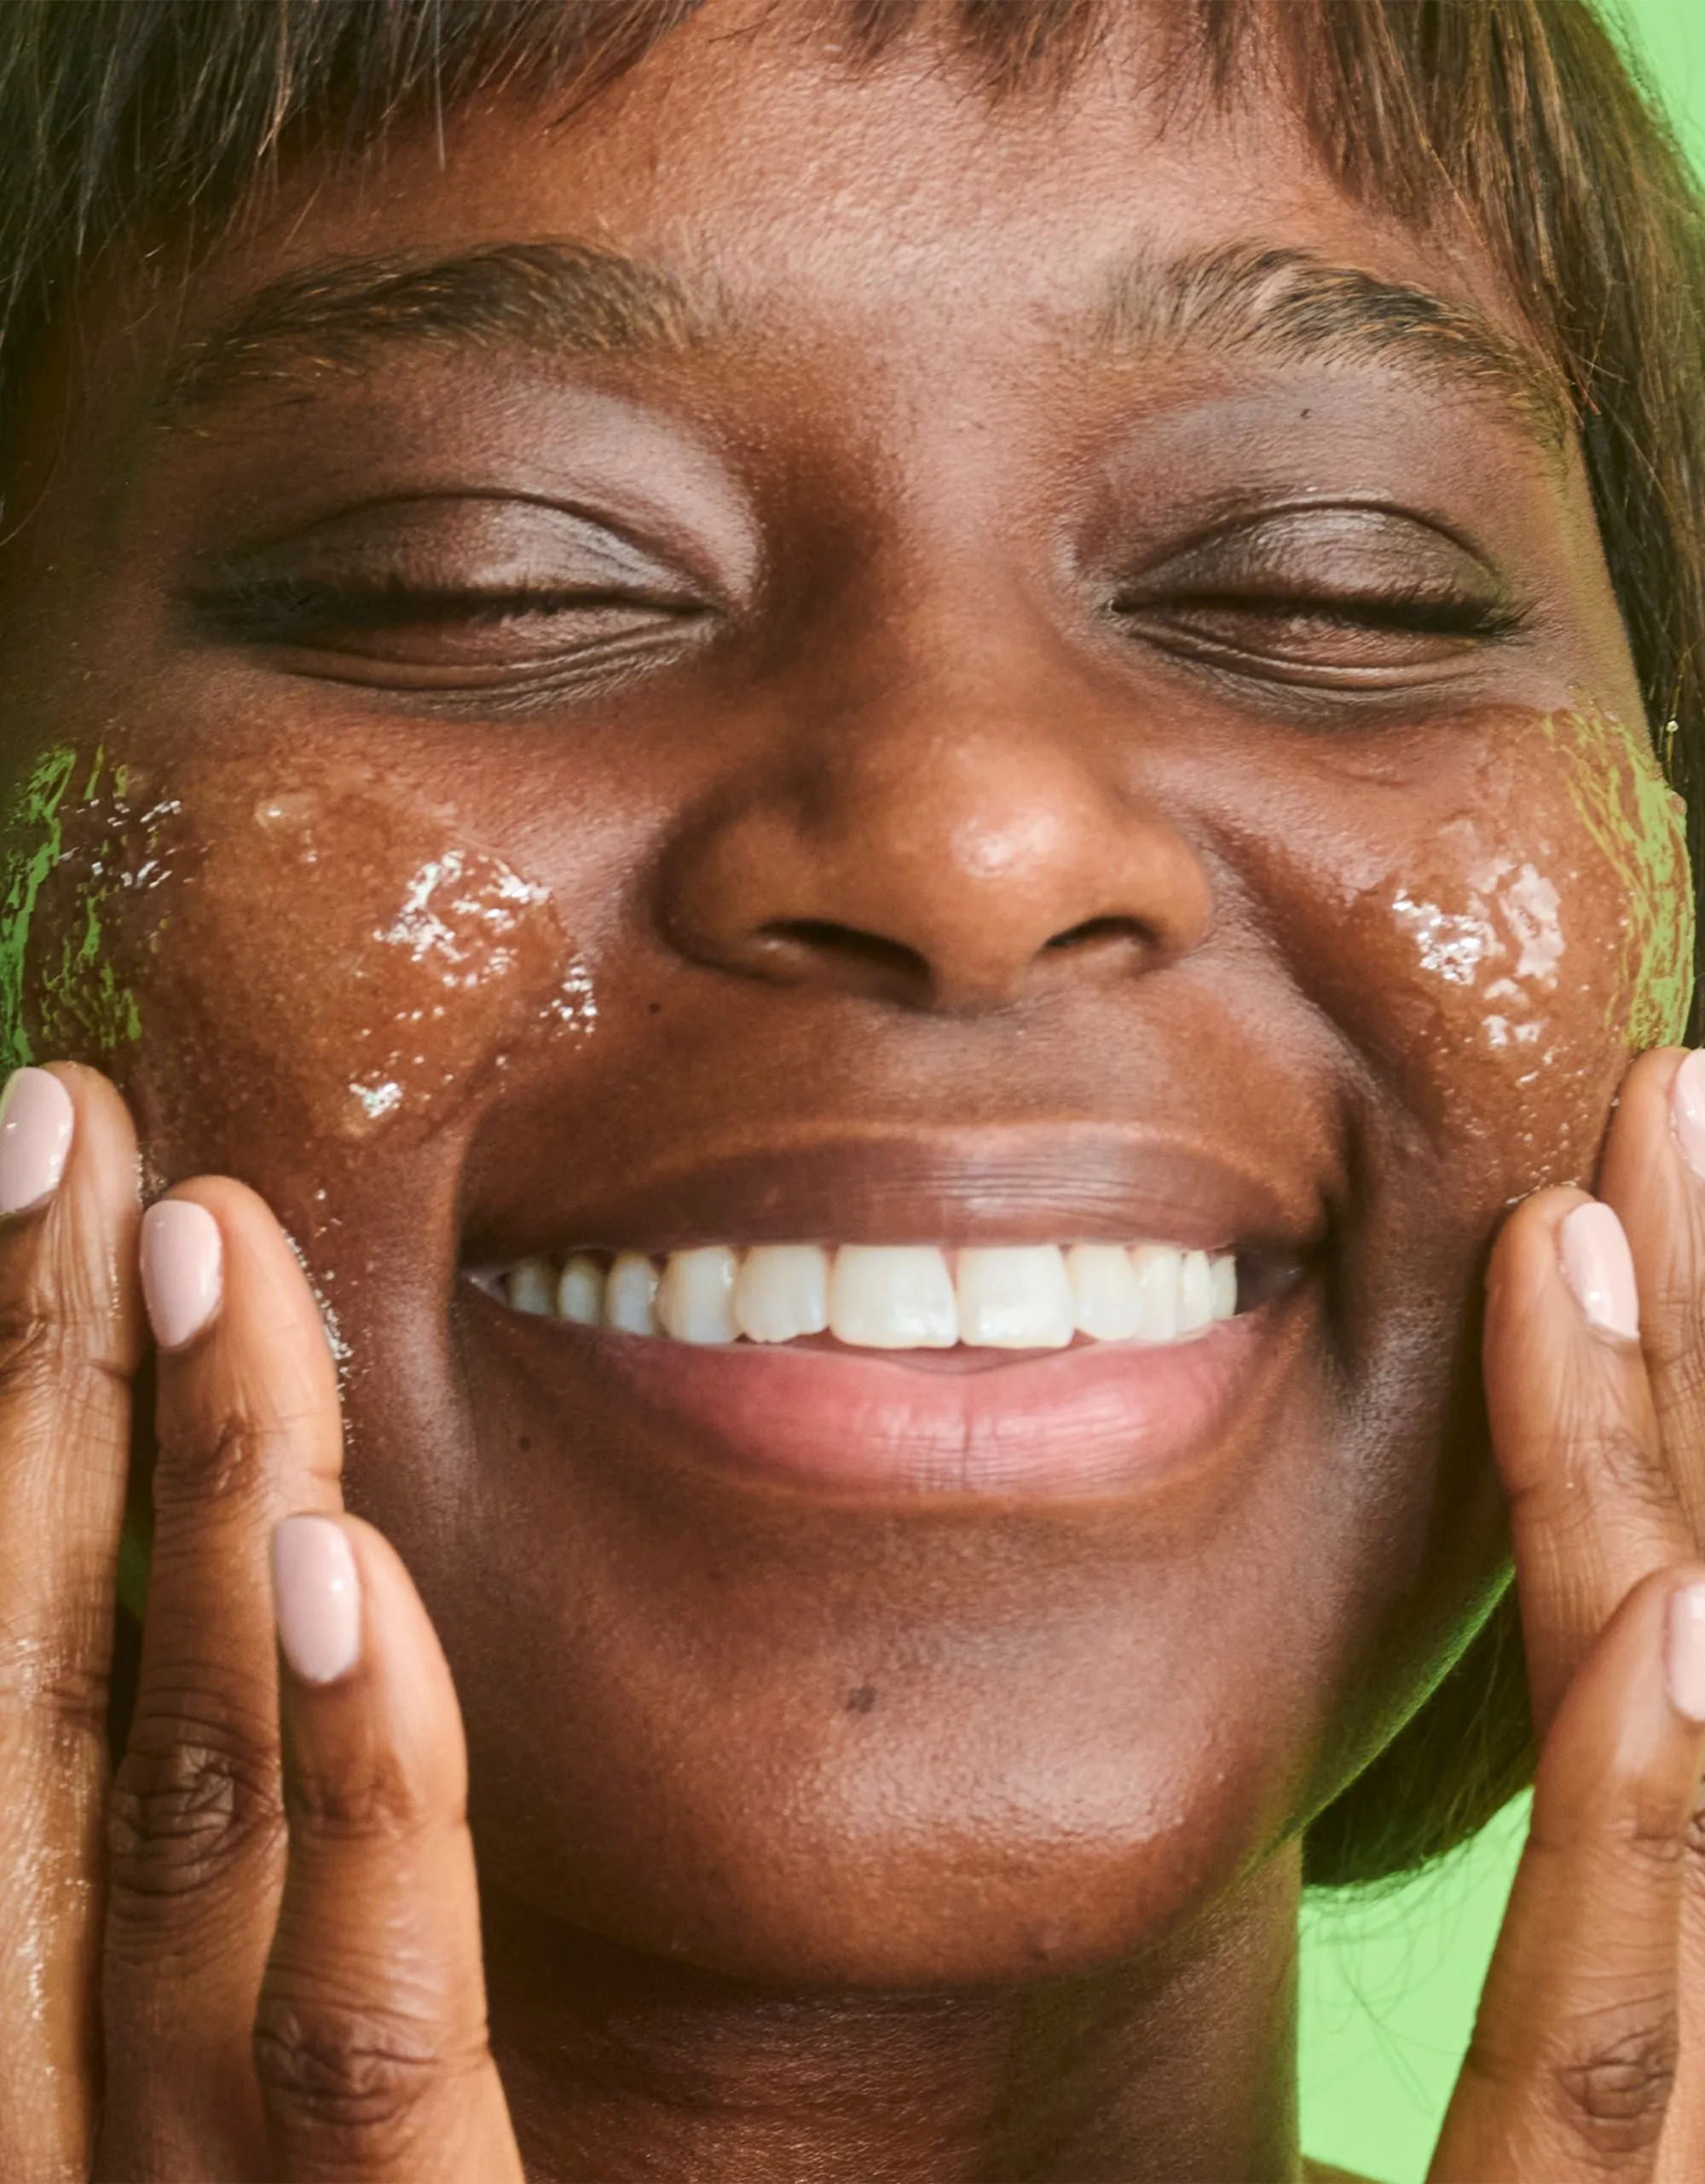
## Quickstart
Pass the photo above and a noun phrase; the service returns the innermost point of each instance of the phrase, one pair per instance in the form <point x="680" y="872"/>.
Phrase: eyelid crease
<point x="440" y="520"/>
<point x="1334" y="520"/>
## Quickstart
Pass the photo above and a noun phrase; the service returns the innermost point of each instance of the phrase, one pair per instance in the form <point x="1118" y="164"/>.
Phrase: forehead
<point x="771" y="169"/>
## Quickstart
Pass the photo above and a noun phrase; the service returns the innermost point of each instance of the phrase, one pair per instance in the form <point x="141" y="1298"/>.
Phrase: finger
<point x="1648" y="1176"/>
<point x="371" y="2040"/>
<point x="1593" y="1506"/>
<point x="1654" y="1173"/>
<point x="1570" y="2072"/>
<point x="248" y="1429"/>
<point x="70" y="1339"/>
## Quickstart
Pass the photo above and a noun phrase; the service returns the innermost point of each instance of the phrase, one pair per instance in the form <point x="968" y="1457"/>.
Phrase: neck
<point x="1179" y="2066"/>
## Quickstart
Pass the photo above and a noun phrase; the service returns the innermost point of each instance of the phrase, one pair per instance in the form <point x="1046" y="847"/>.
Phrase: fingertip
<point x="1525" y="1255"/>
<point x="182" y="1256"/>
<point x="316" y="1597"/>
<point x="1684" y="1648"/>
<point x="37" y="1122"/>
<point x="344" y="1601"/>
<point x="1598" y="1268"/>
<point x="1630" y="1723"/>
<point x="368" y="1677"/>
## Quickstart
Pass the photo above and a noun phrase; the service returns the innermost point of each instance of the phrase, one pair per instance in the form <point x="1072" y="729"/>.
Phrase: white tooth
<point x="1104" y="1290"/>
<point x="1195" y="1293"/>
<point x="532" y="1286"/>
<point x="1156" y="1268"/>
<point x="630" y="1294"/>
<point x="1015" y="1296"/>
<point x="696" y="1297"/>
<point x="1225" y="1286"/>
<point x="580" y="1292"/>
<point x="491" y="1280"/>
<point x="782" y="1290"/>
<point x="892" y="1296"/>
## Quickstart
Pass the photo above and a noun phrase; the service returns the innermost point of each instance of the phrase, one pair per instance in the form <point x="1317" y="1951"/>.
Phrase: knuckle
<point x="1693" y="1842"/>
<point x="378" y="1798"/>
<point x="208" y="1461"/>
<point x="1613" y="2081"/>
<point x="52" y="1373"/>
<point x="352" y="2082"/>
<point x="42" y="1680"/>
<point x="1633" y="1469"/>
<point x="35" y="1352"/>
<point x="1673" y="1339"/>
<point x="189" y="1473"/>
<point x="188" y="1802"/>
<point x="1645" y="1829"/>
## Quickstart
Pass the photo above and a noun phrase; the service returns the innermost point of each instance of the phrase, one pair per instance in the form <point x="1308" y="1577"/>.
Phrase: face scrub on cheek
<point x="1639" y="825"/>
<point x="414" y="967"/>
<point x="1610" y="909"/>
<point x="333" y="947"/>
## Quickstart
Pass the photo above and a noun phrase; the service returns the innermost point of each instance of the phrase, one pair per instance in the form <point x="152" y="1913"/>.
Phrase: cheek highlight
<point x="330" y="945"/>
<point x="1584" y="925"/>
<point x="414" y="978"/>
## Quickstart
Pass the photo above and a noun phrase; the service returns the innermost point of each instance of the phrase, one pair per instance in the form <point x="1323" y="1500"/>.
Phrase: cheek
<point x="1528" y="937"/>
<point x="326" y="950"/>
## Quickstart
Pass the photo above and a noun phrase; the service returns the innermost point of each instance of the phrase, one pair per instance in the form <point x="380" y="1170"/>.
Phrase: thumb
<point x="1570" y="2073"/>
<point x="370" y="2041"/>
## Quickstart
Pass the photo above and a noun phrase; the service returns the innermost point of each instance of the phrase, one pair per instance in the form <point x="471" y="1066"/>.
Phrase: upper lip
<point x="1031" y="1183"/>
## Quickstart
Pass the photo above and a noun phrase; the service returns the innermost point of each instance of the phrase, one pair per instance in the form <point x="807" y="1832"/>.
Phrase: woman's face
<point x="991" y="712"/>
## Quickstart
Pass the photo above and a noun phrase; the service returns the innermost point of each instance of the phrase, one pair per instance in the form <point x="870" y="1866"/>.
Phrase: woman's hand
<point x="228" y="1963"/>
<point x="1588" y="2056"/>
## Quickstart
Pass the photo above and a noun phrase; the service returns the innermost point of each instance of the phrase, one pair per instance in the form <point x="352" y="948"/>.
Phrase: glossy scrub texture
<point x="389" y="968"/>
<point x="1639" y="823"/>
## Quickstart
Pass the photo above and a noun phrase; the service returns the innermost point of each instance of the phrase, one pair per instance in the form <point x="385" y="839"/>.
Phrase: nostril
<point x="1099" y="933"/>
<point x="800" y="942"/>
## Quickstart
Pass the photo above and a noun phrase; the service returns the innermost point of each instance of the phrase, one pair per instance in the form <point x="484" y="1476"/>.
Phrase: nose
<point x="948" y="850"/>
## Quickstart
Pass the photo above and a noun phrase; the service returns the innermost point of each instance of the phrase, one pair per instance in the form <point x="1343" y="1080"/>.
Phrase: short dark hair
<point x="122" y="120"/>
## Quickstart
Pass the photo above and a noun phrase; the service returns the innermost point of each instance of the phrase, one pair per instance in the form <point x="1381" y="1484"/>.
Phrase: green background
<point x="1389" y="1983"/>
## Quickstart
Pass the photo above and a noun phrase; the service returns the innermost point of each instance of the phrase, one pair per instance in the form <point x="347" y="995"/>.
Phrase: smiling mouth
<point x="1038" y="1353"/>
<point x="911" y="1371"/>
<point x="888" y="1297"/>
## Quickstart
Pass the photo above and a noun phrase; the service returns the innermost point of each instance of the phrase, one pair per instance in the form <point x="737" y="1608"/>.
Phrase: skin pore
<point x="926" y="770"/>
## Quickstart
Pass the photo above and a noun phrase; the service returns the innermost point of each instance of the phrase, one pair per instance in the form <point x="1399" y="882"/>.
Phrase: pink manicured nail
<point x="36" y="1125"/>
<point x="316" y="1597"/>
<point x="180" y="1270"/>
<point x="1599" y="1266"/>
<point x="1687" y="1111"/>
<point x="1684" y="1659"/>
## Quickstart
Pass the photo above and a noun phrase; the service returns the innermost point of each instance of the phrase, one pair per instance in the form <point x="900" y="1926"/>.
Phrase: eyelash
<point x="283" y="608"/>
<point x="1422" y="611"/>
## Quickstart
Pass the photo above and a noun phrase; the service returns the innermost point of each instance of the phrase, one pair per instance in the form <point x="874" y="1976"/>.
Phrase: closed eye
<point x="460" y="592"/>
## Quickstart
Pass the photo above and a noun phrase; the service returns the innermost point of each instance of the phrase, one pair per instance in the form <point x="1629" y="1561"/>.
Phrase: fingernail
<point x="36" y="1125"/>
<point x="1687" y="1111"/>
<point x="316" y="1598"/>
<point x="1599" y="1266"/>
<point x="1684" y="1653"/>
<point x="180" y="1270"/>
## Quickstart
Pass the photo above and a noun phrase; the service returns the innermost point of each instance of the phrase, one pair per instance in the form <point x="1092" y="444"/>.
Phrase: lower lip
<point x="1091" y="1418"/>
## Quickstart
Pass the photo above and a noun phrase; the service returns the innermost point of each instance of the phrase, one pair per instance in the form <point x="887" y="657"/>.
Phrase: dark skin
<point x="996" y="775"/>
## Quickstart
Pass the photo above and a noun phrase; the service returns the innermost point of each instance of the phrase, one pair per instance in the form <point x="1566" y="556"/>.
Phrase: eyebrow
<point x="585" y="298"/>
<point x="1293" y="307"/>
<point x="576" y="297"/>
